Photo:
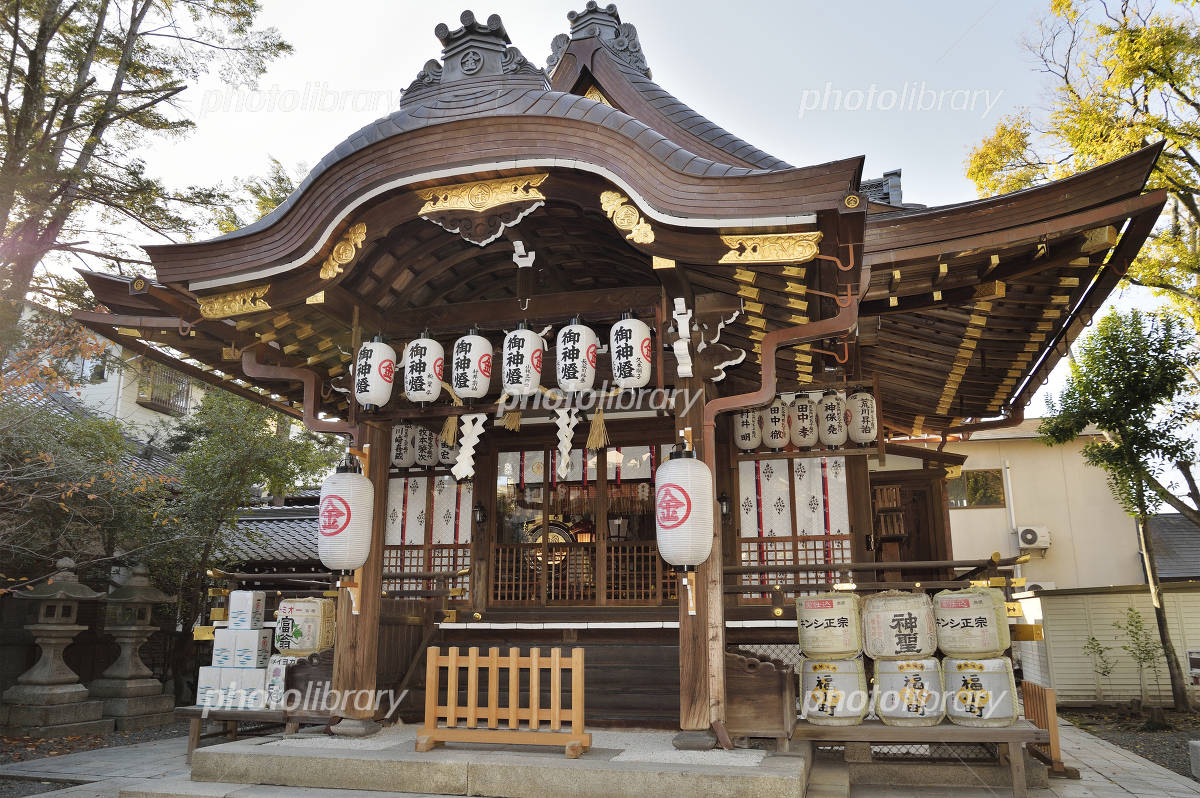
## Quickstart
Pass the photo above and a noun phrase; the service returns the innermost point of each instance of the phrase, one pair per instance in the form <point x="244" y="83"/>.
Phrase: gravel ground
<point x="19" y="788"/>
<point x="1167" y="748"/>
<point x="21" y="749"/>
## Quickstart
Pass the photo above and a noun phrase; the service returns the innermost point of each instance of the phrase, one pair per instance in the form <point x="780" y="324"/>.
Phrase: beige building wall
<point x="1069" y="617"/>
<point x="1093" y="542"/>
<point x="116" y="396"/>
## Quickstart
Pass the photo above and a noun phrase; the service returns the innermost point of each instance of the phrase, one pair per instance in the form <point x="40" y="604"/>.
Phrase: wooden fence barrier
<point x="483" y="713"/>
<point x="1041" y="710"/>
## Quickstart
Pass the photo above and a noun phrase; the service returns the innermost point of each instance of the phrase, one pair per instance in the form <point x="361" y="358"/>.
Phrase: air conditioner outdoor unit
<point x="1033" y="537"/>
<point x="1039" y="586"/>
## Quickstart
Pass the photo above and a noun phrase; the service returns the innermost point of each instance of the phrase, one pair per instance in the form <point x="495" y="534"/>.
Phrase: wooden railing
<point x="787" y="578"/>
<point x="483" y="699"/>
<point x="1042" y="711"/>
<point x="615" y="572"/>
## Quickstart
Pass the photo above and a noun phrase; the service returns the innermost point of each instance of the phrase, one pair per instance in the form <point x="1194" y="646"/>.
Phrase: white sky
<point x="792" y="78"/>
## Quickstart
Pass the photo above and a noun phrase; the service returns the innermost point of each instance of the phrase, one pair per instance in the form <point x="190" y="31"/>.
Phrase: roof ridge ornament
<point x="474" y="50"/>
<point x="620" y="38"/>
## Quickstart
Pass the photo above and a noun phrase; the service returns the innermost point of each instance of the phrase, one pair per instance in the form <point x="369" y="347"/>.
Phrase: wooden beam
<point x="498" y="314"/>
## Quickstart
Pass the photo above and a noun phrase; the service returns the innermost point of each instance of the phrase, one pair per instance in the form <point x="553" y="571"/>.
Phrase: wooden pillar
<point x="701" y="636"/>
<point x="357" y="651"/>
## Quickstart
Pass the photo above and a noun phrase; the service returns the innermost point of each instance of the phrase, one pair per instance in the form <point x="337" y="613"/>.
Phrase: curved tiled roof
<point x="273" y="534"/>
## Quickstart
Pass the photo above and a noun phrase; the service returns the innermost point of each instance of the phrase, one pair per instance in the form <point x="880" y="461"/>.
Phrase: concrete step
<point x="828" y="779"/>
<point x="388" y="761"/>
<point x="182" y="787"/>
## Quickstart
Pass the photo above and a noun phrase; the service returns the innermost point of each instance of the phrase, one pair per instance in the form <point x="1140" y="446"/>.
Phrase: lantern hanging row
<point x="805" y="422"/>
<point x="520" y="363"/>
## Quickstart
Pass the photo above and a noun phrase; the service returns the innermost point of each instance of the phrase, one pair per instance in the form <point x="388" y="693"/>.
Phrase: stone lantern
<point x="132" y="697"/>
<point x="48" y="700"/>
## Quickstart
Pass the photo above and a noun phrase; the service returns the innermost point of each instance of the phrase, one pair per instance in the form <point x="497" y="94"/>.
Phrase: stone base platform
<point x="619" y="765"/>
<point x="54" y="720"/>
<point x="140" y="712"/>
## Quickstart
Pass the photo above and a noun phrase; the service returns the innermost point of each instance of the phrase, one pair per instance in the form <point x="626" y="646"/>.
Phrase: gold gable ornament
<point x="771" y="248"/>
<point x="344" y="251"/>
<point x="626" y="217"/>
<point x="234" y="303"/>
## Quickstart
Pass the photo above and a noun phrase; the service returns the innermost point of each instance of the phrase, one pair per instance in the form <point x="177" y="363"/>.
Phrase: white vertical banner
<point x="635" y="462"/>
<point x="822" y="506"/>
<point x="414" y="512"/>
<point x="748" y="500"/>
<point x="446" y="507"/>
<point x="466" y="506"/>
<point x="394" y="530"/>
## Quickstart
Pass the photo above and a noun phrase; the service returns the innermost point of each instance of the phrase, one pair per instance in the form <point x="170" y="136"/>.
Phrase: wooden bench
<point x="231" y="718"/>
<point x="874" y="731"/>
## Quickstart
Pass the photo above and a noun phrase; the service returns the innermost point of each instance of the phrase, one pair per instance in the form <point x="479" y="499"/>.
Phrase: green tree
<point x="257" y="196"/>
<point x="223" y="451"/>
<point x="76" y="486"/>
<point x="1129" y="378"/>
<point x="86" y="85"/>
<point x="1123" y="74"/>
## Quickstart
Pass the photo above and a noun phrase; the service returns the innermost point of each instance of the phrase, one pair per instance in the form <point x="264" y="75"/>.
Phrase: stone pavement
<point x="1107" y="771"/>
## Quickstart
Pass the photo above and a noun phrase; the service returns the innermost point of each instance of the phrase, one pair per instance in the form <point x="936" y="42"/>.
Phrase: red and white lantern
<point x="427" y="447"/>
<point x="344" y="520"/>
<point x="472" y="366"/>
<point x="683" y="510"/>
<point x="374" y="370"/>
<point x="832" y="429"/>
<point x="404" y="447"/>
<point x="575" y="357"/>
<point x="775" y="425"/>
<point x="630" y="349"/>
<point x="804" y="422"/>
<point x="863" y="424"/>
<point x="424" y="360"/>
<point x="747" y="429"/>
<point x="521" y="369"/>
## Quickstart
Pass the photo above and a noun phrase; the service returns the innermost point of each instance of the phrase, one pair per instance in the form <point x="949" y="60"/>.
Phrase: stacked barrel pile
<point x="897" y="636"/>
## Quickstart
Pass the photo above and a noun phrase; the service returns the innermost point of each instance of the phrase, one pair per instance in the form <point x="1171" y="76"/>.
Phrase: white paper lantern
<point x="344" y="520"/>
<point x="803" y="420"/>
<point x="775" y="425"/>
<point x="521" y="369"/>
<point x="447" y="453"/>
<point x="575" y="357"/>
<point x="374" y="370"/>
<point x="404" y="446"/>
<point x="423" y="365"/>
<point x="832" y="427"/>
<point x="862" y="425"/>
<point x="683" y="510"/>
<point x="471" y="366"/>
<point x="427" y="447"/>
<point x="747" y="430"/>
<point x="630" y="348"/>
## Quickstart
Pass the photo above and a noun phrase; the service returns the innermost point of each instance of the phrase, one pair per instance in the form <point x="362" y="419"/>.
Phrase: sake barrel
<point x="898" y="626"/>
<point x="830" y="625"/>
<point x="305" y="625"/>
<point x="971" y="622"/>
<point x="908" y="692"/>
<point x="833" y="692"/>
<point x="980" y="692"/>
